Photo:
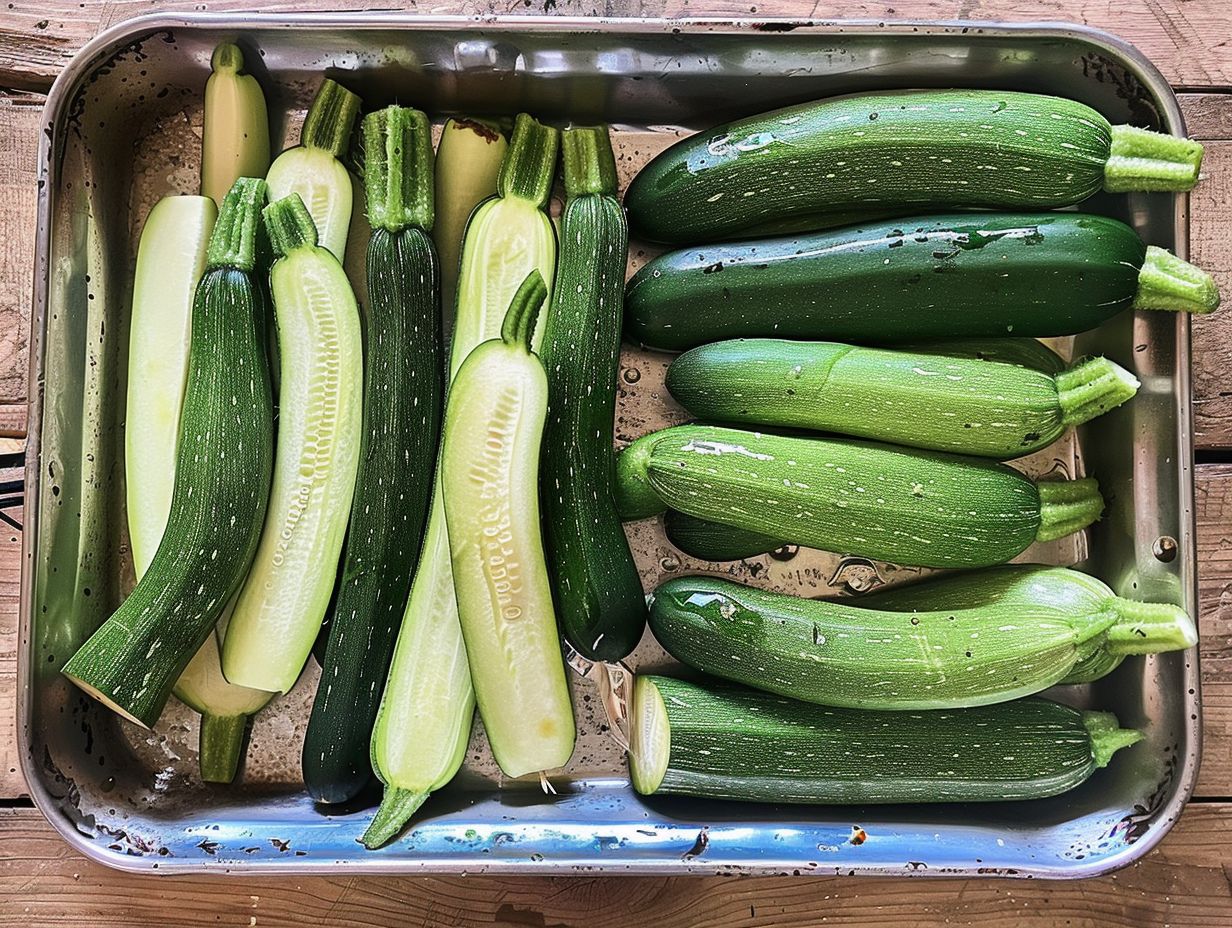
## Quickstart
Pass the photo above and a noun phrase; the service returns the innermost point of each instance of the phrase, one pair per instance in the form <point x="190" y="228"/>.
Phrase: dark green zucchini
<point x="222" y="483"/>
<point x="907" y="280"/>
<point x="599" y="598"/>
<point x="726" y="742"/>
<point x="928" y="149"/>
<point x="713" y="541"/>
<point x="404" y="385"/>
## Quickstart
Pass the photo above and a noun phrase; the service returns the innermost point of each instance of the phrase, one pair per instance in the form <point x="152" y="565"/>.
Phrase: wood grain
<point x="42" y="883"/>
<point x="1187" y="39"/>
<point x="19" y="134"/>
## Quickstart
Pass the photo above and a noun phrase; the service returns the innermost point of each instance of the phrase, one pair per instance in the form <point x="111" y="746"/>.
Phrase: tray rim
<point x="115" y="37"/>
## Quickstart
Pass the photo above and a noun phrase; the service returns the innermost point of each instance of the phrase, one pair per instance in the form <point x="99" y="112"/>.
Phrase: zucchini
<point x="403" y="397"/>
<point x="937" y="401"/>
<point x="314" y="169"/>
<point x="1025" y="352"/>
<point x="469" y="158"/>
<point x="235" y="140"/>
<point x="918" y="508"/>
<point x="927" y="149"/>
<point x="930" y="657"/>
<point x="489" y="480"/>
<point x="222" y="479"/>
<point x="288" y="588"/>
<point x="596" y="586"/>
<point x="907" y="280"/>
<point x="426" y="710"/>
<point x="726" y="742"/>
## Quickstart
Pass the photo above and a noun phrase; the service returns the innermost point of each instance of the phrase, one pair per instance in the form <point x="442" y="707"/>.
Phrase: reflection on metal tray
<point x="123" y="128"/>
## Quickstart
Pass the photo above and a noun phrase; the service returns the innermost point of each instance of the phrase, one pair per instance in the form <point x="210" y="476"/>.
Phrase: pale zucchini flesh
<point x="235" y="138"/>
<point x="284" y="599"/>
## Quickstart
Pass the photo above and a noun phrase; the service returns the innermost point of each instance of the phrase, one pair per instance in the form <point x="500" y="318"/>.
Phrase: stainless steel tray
<point x="122" y="128"/>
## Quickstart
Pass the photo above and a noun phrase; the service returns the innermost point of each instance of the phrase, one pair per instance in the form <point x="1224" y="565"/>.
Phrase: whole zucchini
<point x="919" y="508"/>
<point x="403" y="396"/>
<point x="933" y="657"/>
<point x="905" y="280"/>
<point x="726" y="742"/>
<point x="925" y="148"/>
<point x="945" y="403"/>
<point x="598" y="592"/>
<point x="222" y="482"/>
<point x="713" y="541"/>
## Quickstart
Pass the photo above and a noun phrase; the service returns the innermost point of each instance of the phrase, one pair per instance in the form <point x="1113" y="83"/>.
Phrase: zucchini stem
<point x="233" y="242"/>
<point x="330" y="119"/>
<point x="220" y="745"/>
<point x="530" y="163"/>
<point x="1066" y="506"/>
<point x="523" y="312"/>
<point x="1107" y="736"/>
<point x="397" y="807"/>
<point x="1150" y="628"/>
<point x="1142" y="160"/>
<point x="1091" y="388"/>
<point x="289" y="225"/>
<point x="397" y="145"/>
<point x="635" y="497"/>
<point x="1169" y="283"/>
<point x="589" y="166"/>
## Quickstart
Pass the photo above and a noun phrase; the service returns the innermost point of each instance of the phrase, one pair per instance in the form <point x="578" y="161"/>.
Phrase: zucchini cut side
<point x="726" y="742"/>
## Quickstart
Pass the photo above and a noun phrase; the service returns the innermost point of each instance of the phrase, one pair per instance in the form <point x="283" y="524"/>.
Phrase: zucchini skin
<point x="597" y="589"/>
<point x="713" y="541"/>
<point x="926" y="148"/>
<point x="934" y="401"/>
<point x="959" y="275"/>
<point x="728" y="742"/>
<point x="836" y="654"/>
<point x="910" y="507"/>
<point x="404" y="390"/>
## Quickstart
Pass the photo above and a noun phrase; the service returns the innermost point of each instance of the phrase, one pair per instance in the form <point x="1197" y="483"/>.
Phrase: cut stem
<point x="1169" y="283"/>
<point x="1107" y="736"/>
<point x="330" y="119"/>
<point x="398" y="165"/>
<point x="1066" y="506"/>
<point x="530" y="163"/>
<point x="589" y="165"/>
<point x="233" y="242"/>
<point x="1092" y="387"/>
<point x="397" y="807"/>
<point x="519" y="324"/>
<point x="289" y="225"/>
<point x="1151" y="161"/>
<point x="220" y="746"/>
<point x="1150" y="628"/>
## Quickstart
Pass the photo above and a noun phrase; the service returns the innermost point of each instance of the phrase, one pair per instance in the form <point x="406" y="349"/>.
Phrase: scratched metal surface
<point x="124" y="129"/>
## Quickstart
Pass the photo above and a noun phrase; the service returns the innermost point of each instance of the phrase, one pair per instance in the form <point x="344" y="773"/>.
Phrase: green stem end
<point x="330" y="119"/>
<point x="227" y="57"/>
<point x="523" y="312"/>
<point x="289" y="225"/>
<point x="530" y="162"/>
<point x="1107" y="736"/>
<point x="635" y="497"/>
<point x="1067" y="506"/>
<point x="398" y="169"/>
<point x="397" y="807"/>
<point x="1169" y="283"/>
<point x="1092" y="387"/>
<point x="1151" y="161"/>
<point x="1150" y="628"/>
<point x="233" y="242"/>
<point x="589" y="165"/>
<point x="220" y="746"/>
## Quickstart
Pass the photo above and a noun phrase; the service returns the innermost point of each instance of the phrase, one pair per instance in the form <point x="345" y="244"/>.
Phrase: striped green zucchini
<point x="222" y="483"/>
<point x="598" y="592"/>
<point x="726" y="742"/>
<point x="912" y="279"/>
<point x="911" y="507"/>
<point x="945" y="403"/>
<point x="714" y="541"/>
<point x="1051" y="620"/>
<point x="925" y="148"/>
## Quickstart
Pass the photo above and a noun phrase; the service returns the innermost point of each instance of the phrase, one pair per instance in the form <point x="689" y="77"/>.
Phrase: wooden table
<point x="1183" y="882"/>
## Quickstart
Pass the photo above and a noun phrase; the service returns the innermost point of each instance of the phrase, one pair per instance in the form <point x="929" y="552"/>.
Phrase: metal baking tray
<point x="122" y="128"/>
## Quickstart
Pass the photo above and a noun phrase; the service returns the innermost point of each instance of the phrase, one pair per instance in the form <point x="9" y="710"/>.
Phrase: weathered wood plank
<point x="1182" y="883"/>
<point x="1185" y="38"/>
<point x="19" y="134"/>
